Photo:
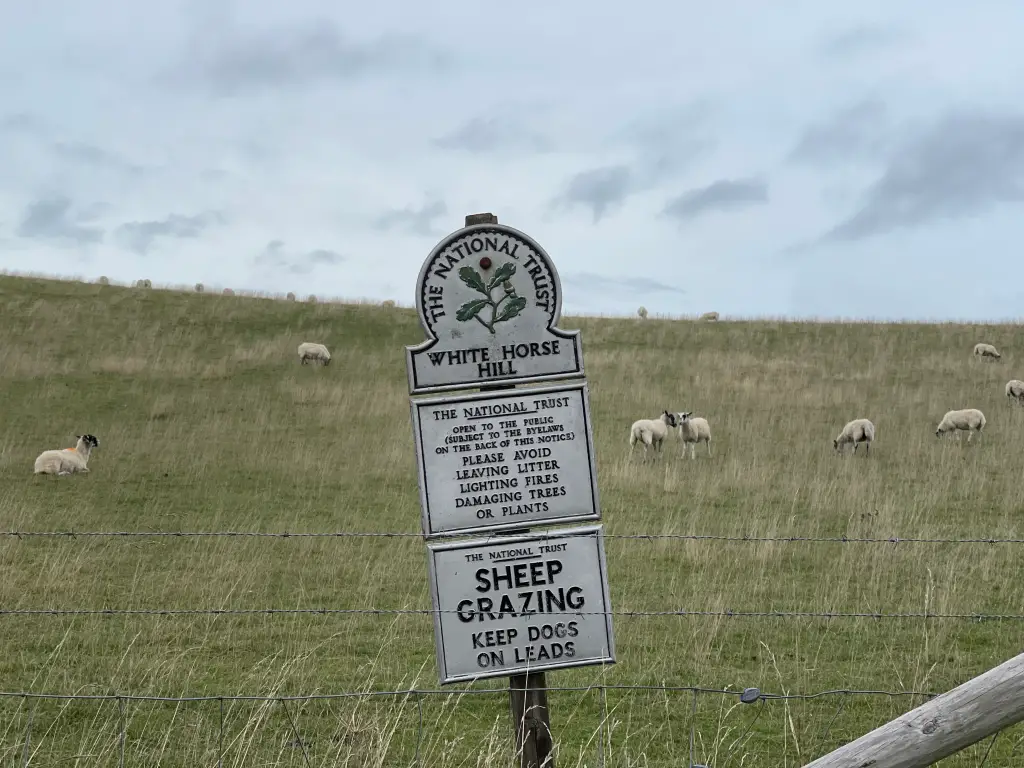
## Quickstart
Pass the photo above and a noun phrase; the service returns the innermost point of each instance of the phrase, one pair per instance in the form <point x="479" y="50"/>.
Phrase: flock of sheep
<point x="67" y="461"/>
<point x="693" y="430"/>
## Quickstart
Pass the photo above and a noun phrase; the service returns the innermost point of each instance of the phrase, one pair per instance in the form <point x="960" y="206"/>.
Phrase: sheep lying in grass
<point x="692" y="431"/>
<point x="315" y="352"/>
<point x="857" y="431"/>
<point x="651" y="431"/>
<point x="65" y="461"/>
<point x="1015" y="391"/>
<point x="986" y="350"/>
<point x="970" y="420"/>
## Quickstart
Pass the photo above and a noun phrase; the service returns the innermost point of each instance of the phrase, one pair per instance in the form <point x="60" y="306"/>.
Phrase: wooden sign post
<point x="501" y="462"/>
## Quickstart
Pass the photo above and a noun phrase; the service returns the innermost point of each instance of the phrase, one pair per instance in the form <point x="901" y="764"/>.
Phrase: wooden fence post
<point x="527" y="693"/>
<point x="982" y="706"/>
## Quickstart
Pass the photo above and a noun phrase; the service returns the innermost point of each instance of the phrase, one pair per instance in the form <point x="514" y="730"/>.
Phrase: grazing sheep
<point x="1015" y="389"/>
<point x="642" y="312"/>
<point x="315" y="352"/>
<point x="311" y="298"/>
<point x="986" y="350"/>
<point x="857" y="431"/>
<point x="65" y="461"/>
<point x="290" y="296"/>
<point x="388" y="303"/>
<point x="693" y="431"/>
<point x="651" y="431"/>
<point x="199" y="288"/>
<point x="104" y="280"/>
<point x="970" y="419"/>
<point x="143" y="284"/>
<point x="710" y="316"/>
<point x="228" y="292"/>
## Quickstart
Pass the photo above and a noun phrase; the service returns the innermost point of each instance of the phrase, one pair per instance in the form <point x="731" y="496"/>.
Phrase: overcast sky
<point x="790" y="158"/>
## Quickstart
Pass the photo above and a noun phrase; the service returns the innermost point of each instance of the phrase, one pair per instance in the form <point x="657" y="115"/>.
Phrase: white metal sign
<point x="489" y="299"/>
<point x="512" y="604"/>
<point x="495" y="461"/>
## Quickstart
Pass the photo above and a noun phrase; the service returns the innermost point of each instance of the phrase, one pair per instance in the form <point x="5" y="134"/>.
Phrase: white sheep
<point x="642" y="313"/>
<point x="970" y="419"/>
<point x="1015" y="390"/>
<point x="711" y="316"/>
<point x="857" y="431"/>
<point x="315" y="352"/>
<point x="693" y="431"/>
<point x="65" y="461"/>
<point x="290" y="296"/>
<point x="986" y="350"/>
<point x="651" y="431"/>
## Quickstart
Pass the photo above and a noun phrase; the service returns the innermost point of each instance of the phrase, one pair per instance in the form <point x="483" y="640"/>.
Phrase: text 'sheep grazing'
<point x="510" y="590"/>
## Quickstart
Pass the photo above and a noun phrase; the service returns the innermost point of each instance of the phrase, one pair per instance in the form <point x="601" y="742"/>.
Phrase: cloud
<point x="275" y="256"/>
<point x="594" y="283"/>
<point x="722" y="195"/>
<point x="21" y="122"/>
<point x="964" y="165"/>
<point x="600" y="189"/>
<point x="855" y="133"/>
<point x="313" y="52"/>
<point x="862" y="39"/>
<point x="492" y="134"/>
<point x="50" y="218"/>
<point x="412" y="221"/>
<point x="87" y="154"/>
<point x="138" y="236"/>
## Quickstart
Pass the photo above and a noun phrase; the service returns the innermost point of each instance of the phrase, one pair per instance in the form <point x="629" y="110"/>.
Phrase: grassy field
<point x="208" y="423"/>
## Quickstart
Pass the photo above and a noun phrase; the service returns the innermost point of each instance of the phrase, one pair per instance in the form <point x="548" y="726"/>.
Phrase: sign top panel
<point x="489" y="299"/>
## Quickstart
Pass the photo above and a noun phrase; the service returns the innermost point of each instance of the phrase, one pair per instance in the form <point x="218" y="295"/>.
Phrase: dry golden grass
<point x="208" y="423"/>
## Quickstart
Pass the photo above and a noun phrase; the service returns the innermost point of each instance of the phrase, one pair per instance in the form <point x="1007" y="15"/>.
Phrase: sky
<point x="790" y="159"/>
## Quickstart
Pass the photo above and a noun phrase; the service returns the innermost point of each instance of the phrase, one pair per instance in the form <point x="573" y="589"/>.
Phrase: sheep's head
<point x="682" y="416"/>
<point x="669" y="418"/>
<point x="90" y="440"/>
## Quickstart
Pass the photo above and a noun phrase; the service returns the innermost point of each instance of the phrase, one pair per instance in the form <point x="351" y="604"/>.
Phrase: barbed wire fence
<point x="749" y="696"/>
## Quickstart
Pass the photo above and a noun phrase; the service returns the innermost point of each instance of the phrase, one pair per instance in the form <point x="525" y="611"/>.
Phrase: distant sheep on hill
<point x="651" y="432"/>
<point x="311" y="298"/>
<point x="709" y="316"/>
<point x="315" y="352"/>
<point x="199" y="288"/>
<point x="290" y="296"/>
<point x="642" y="312"/>
<point x="66" y="461"/>
<point x="986" y="350"/>
<point x="970" y="420"/>
<point x="143" y="284"/>
<point x="693" y="431"/>
<point x="104" y="280"/>
<point x="1015" y="391"/>
<point x="228" y="292"/>
<point x="856" y="432"/>
<point x="388" y="304"/>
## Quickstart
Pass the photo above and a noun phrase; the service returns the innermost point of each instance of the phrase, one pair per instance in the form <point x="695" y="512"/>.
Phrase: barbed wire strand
<point x="617" y="536"/>
<point x="430" y="612"/>
<point x="412" y="692"/>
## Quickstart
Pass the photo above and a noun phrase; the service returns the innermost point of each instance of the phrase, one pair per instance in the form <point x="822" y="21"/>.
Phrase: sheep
<point x="65" y="461"/>
<point x="970" y="419"/>
<point x="857" y="431"/>
<point x="986" y="350"/>
<point x="199" y="288"/>
<point x="388" y="304"/>
<point x="642" y="313"/>
<point x="311" y="298"/>
<point x="290" y="296"/>
<point x="1015" y="390"/>
<point x="310" y="351"/>
<point x="228" y="292"/>
<point x="104" y="280"/>
<point x="709" y="316"/>
<point x="651" y="431"/>
<point x="693" y="431"/>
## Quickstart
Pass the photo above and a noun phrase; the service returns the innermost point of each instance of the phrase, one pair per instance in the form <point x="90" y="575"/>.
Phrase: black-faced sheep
<point x="651" y="431"/>
<point x="970" y="420"/>
<point x="856" y="432"/>
<point x="66" y="461"/>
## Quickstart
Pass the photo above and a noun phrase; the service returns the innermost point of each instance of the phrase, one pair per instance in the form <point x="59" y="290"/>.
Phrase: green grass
<point x="208" y="423"/>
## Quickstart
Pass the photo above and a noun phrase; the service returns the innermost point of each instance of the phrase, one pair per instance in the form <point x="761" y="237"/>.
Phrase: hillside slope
<point x="207" y="422"/>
